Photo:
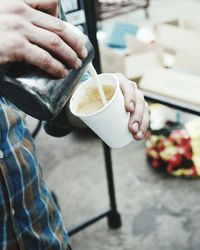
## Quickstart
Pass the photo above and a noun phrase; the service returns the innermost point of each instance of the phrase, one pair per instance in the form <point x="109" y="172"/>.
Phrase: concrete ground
<point x="157" y="212"/>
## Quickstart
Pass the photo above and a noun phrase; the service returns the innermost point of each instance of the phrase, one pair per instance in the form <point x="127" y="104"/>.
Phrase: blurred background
<point x="157" y="44"/>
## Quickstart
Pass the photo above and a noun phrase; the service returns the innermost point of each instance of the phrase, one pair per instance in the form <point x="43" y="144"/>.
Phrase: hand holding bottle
<point x="29" y="34"/>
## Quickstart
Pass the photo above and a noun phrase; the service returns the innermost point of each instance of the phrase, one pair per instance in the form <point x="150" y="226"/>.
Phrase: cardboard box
<point x="181" y="81"/>
<point x="186" y="23"/>
<point x="191" y="24"/>
<point x="175" y="39"/>
<point x="185" y="62"/>
<point x="174" y="84"/>
<point x="132" y="62"/>
<point x="182" y="43"/>
<point x="175" y="47"/>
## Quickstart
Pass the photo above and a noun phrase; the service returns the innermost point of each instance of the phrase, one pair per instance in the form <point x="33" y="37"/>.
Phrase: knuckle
<point x="137" y="118"/>
<point x="144" y="126"/>
<point x="147" y="106"/>
<point x="78" y="44"/>
<point x="119" y="75"/>
<point x="55" y="40"/>
<point x="15" y="23"/>
<point x="131" y="120"/>
<point x="5" y="59"/>
<point x="17" y="47"/>
<point x="141" y="96"/>
<point x="54" y="3"/>
<point x="132" y="87"/>
<point x="132" y="99"/>
<point x="148" y="111"/>
<point x="59" y="69"/>
<point x="134" y="84"/>
<point x="45" y="60"/>
<point x="17" y="43"/>
<point x="74" y="58"/>
<point x="60" y="25"/>
<point x="19" y="8"/>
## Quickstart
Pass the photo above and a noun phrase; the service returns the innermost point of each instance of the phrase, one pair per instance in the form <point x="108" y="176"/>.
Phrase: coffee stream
<point x="97" y="81"/>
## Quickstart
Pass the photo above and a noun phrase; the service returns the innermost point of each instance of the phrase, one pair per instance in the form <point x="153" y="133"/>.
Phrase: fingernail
<point x="135" y="127"/>
<point x="84" y="52"/>
<point x="140" y="134"/>
<point x="78" y="64"/>
<point x="131" y="105"/>
<point x="65" y="72"/>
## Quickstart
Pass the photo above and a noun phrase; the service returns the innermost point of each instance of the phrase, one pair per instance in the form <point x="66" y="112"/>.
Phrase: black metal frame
<point x="112" y="214"/>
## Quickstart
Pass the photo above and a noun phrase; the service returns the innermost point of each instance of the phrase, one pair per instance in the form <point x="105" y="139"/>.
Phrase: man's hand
<point x="50" y="6"/>
<point x="38" y="38"/>
<point x="136" y="105"/>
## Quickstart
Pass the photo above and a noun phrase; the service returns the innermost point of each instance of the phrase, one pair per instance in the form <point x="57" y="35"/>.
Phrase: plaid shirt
<point x="29" y="218"/>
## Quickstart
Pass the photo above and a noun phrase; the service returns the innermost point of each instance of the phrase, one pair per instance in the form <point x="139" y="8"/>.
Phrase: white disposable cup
<point x="110" y="122"/>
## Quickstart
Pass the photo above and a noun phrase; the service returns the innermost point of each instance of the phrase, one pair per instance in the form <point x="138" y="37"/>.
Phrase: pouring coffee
<point x="36" y="92"/>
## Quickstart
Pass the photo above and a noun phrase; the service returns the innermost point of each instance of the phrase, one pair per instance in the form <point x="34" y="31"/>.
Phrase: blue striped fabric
<point x="29" y="218"/>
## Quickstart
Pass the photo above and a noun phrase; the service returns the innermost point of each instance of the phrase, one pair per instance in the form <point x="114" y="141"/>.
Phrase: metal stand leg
<point x="147" y="8"/>
<point x="114" y="218"/>
<point x="146" y="13"/>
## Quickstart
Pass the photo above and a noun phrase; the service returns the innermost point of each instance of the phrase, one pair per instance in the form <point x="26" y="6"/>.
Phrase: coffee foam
<point x="91" y="101"/>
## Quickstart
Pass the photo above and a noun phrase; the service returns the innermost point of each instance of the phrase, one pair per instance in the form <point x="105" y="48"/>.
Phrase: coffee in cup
<point x="109" y="121"/>
<point x="92" y="101"/>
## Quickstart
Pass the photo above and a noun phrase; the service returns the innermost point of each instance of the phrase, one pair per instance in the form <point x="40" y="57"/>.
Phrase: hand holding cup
<point x="114" y="122"/>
